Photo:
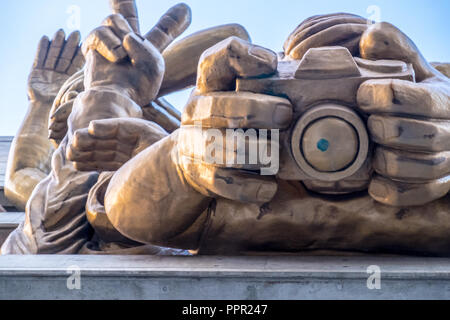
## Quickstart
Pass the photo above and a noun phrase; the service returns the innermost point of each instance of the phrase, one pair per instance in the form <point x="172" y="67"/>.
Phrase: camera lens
<point x="330" y="142"/>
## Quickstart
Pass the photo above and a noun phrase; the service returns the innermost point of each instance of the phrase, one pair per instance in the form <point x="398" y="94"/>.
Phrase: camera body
<point x="327" y="146"/>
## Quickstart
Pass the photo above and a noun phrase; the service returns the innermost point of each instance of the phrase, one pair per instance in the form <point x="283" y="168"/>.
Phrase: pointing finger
<point x="238" y="110"/>
<point x="182" y="57"/>
<point x="220" y="65"/>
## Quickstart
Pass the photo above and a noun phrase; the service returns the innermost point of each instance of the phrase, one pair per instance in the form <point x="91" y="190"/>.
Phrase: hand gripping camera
<point x="327" y="146"/>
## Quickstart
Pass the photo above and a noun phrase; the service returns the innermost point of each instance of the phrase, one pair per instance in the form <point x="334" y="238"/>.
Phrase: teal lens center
<point x="323" y="145"/>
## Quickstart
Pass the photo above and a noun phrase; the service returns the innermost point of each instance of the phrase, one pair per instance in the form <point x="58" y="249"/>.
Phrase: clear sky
<point x="269" y="22"/>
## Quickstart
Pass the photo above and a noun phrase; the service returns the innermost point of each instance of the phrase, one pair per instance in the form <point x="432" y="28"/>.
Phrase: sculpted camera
<point x="327" y="145"/>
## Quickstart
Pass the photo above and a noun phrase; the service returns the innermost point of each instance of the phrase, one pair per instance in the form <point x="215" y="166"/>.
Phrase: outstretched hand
<point x="55" y="62"/>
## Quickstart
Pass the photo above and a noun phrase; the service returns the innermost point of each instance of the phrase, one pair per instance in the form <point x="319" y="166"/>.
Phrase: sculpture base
<point x="205" y="278"/>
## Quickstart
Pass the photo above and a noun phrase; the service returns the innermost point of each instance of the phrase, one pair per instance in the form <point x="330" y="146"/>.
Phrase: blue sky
<point x="269" y="22"/>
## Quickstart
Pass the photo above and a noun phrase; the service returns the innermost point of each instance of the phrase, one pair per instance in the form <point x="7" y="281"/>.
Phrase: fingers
<point x="123" y="130"/>
<point x="400" y="194"/>
<point x="68" y="53"/>
<point x="404" y="97"/>
<point x="220" y="65"/>
<point x="404" y="165"/>
<point x="60" y="55"/>
<point x="238" y="110"/>
<point x="107" y="144"/>
<point x="332" y="36"/>
<point x="41" y="54"/>
<point x="102" y="156"/>
<point x="238" y="149"/>
<point x="83" y="141"/>
<point x="77" y="63"/>
<point x="313" y="27"/>
<point x="55" y="50"/>
<point x="410" y="134"/>
<point x="183" y="56"/>
<point x="105" y="42"/>
<point x="230" y="184"/>
<point x="127" y="8"/>
<point x="172" y="24"/>
<point x="90" y="153"/>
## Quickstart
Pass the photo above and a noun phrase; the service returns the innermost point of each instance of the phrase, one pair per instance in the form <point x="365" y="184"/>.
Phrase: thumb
<point x="383" y="41"/>
<point x="146" y="58"/>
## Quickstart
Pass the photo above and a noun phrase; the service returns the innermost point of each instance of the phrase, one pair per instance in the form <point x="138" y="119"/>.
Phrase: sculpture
<point x="55" y="62"/>
<point x="164" y="193"/>
<point x="57" y="206"/>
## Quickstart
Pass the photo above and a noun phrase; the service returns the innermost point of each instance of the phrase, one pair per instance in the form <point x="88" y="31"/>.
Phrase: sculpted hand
<point x="55" y="62"/>
<point x="119" y="58"/>
<point x="215" y="107"/>
<point x="338" y="29"/>
<point x="107" y="144"/>
<point x="62" y="107"/>
<point x="410" y="122"/>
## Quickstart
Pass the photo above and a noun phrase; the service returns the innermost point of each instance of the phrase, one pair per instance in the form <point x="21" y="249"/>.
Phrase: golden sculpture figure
<point x="140" y="186"/>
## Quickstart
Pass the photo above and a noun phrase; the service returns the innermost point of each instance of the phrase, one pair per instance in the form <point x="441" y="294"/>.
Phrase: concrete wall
<point x="205" y="278"/>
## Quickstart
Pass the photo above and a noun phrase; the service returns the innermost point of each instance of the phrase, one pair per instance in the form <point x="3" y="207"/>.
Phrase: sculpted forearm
<point x="30" y="155"/>
<point x="149" y="201"/>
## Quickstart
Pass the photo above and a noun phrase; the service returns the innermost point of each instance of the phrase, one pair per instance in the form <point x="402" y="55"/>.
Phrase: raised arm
<point x="29" y="158"/>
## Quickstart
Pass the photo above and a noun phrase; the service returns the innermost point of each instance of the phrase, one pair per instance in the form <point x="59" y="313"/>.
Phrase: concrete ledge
<point x="205" y="278"/>
<point x="8" y="222"/>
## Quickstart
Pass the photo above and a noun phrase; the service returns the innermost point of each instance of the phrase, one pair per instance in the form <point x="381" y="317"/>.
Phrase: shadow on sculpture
<point x="363" y="126"/>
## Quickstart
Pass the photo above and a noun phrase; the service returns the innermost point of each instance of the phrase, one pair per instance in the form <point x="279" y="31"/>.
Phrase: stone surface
<point x="205" y="278"/>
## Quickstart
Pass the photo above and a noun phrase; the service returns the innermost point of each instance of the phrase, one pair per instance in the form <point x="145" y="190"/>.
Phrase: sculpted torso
<point x="156" y="187"/>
